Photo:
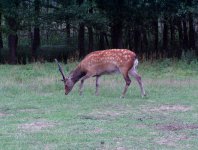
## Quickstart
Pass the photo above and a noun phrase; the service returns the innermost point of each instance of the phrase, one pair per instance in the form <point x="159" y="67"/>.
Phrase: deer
<point x="101" y="62"/>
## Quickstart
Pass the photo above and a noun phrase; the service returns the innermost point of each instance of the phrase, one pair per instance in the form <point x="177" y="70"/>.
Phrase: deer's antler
<point x="61" y="70"/>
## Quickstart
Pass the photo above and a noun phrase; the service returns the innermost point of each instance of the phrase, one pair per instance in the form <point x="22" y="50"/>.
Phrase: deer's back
<point x="107" y="61"/>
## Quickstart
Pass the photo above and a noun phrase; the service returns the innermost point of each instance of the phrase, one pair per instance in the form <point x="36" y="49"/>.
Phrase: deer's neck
<point x="76" y="74"/>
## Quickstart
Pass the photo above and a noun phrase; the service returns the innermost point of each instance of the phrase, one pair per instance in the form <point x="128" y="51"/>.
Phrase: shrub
<point x="44" y="53"/>
<point x="188" y="56"/>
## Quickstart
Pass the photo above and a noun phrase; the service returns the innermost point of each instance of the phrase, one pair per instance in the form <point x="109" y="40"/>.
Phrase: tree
<point x="13" y="25"/>
<point x="114" y="9"/>
<point x="81" y="35"/>
<point x="151" y="28"/>
<point x="90" y="29"/>
<point x="191" y="26"/>
<point x="36" y="35"/>
<point x="1" y="38"/>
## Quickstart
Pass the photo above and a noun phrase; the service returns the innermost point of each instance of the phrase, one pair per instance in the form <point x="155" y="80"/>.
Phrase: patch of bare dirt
<point x="37" y="126"/>
<point x="2" y="114"/>
<point x="172" y="82"/>
<point x="28" y="110"/>
<point x="176" y="127"/>
<point x="171" y="140"/>
<point x="140" y="126"/>
<point x="121" y="148"/>
<point x="102" y="115"/>
<point x="50" y="147"/>
<point x="96" y="131"/>
<point x="119" y="143"/>
<point x="169" y="108"/>
<point x="108" y="112"/>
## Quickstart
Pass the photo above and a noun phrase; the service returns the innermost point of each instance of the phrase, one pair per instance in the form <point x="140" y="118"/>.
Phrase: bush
<point x="61" y="52"/>
<point x="44" y="53"/>
<point x="188" y="56"/>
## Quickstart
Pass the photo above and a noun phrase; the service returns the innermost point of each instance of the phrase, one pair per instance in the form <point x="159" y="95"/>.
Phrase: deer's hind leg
<point x="133" y="72"/>
<point x="127" y="80"/>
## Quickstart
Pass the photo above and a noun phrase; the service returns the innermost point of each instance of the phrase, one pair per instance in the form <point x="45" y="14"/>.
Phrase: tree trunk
<point x="12" y="40"/>
<point x="30" y="35"/>
<point x="180" y="47"/>
<point x="171" y="52"/>
<point x="68" y="26"/>
<point x="90" y="33"/>
<point x="129" y="41"/>
<point x="36" y="43"/>
<point x="47" y="27"/>
<point x="107" y="41"/>
<point x="101" y="41"/>
<point x="116" y="35"/>
<point x="165" y="36"/>
<point x="1" y="38"/>
<point x="191" y="32"/>
<point x="36" y="36"/>
<point x="90" y="30"/>
<point x="185" y="39"/>
<point x="81" y="39"/>
<point x="136" y="39"/>
<point x="81" y="36"/>
<point x="12" y="44"/>
<point x="191" y="28"/>
<point x="68" y="34"/>
<point x="144" y="47"/>
<point x="156" y="36"/>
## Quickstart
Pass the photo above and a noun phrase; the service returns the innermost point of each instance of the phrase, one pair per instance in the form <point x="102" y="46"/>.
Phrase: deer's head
<point x="68" y="83"/>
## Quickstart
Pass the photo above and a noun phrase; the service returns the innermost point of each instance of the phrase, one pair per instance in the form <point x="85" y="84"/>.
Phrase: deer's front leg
<point x="97" y="85"/>
<point x="80" y="87"/>
<point x="82" y="82"/>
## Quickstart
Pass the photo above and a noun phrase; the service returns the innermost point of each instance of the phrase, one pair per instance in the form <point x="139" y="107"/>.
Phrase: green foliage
<point x="23" y="53"/>
<point x="61" y="52"/>
<point x="135" y="17"/>
<point x="44" y="53"/>
<point x="188" y="56"/>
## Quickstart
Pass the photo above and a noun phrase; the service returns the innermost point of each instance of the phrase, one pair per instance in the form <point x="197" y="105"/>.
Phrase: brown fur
<point x="104" y="62"/>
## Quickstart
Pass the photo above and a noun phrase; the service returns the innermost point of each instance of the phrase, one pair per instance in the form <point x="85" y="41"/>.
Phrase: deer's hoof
<point x="144" y="95"/>
<point x="122" y="96"/>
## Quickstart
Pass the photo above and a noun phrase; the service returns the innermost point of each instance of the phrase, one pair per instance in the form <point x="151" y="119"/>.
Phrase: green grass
<point x="35" y="113"/>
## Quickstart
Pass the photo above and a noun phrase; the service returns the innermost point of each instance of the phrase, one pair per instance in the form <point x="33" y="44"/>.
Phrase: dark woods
<point x="39" y="30"/>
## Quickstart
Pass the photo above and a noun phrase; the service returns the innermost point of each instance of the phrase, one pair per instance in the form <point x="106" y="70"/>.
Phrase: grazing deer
<point x="102" y="62"/>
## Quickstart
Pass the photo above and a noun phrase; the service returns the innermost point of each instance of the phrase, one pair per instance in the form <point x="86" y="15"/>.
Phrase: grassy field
<point x="35" y="113"/>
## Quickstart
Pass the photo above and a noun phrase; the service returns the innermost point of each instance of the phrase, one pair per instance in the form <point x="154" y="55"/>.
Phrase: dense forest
<point x="39" y="30"/>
